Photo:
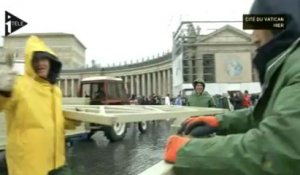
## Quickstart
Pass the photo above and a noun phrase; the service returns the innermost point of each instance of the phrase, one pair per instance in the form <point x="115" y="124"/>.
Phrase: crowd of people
<point x="143" y="100"/>
<point x="232" y="100"/>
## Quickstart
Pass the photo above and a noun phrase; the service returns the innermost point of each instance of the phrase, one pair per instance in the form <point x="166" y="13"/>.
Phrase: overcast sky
<point x="117" y="30"/>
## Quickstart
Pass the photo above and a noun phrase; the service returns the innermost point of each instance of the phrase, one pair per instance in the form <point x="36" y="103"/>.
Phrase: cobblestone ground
<point x="133" y="155"/>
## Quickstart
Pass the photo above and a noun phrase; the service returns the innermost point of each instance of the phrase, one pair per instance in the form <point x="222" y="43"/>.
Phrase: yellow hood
<point x="33" y="45"/>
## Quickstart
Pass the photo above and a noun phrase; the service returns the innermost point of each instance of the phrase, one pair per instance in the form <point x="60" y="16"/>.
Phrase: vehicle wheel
<point x="116" y="132"/>
<point x="143" y="127"/>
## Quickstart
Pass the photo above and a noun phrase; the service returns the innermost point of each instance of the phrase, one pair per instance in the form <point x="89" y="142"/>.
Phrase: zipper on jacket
<point x="54" y="127"/>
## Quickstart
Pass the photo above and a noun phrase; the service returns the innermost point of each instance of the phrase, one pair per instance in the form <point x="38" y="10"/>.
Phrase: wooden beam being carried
<point x="112" y="114"/>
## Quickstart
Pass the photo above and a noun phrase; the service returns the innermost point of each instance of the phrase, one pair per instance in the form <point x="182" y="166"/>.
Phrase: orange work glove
<point x="199" y="126"/>
<point x="174" y="143"/>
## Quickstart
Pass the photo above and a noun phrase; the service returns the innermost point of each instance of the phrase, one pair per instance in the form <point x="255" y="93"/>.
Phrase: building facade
<point x="67" y="47"/>
<point x="141" y="79"/>
<point x="222" y="56"/>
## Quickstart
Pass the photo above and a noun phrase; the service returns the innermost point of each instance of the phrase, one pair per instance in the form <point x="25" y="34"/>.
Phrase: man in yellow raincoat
<point x="33" y="107"/>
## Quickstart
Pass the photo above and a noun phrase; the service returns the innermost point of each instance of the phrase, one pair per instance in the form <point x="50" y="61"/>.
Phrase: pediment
<point x="226" y="34"/>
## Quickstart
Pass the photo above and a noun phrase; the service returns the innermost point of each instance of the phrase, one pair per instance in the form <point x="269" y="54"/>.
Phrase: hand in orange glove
<point x="174" y="143"/>
<point x="199" y="126"/>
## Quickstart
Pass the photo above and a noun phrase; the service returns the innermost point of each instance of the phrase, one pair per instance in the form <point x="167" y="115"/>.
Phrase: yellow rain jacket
<point x="35" y="122"/>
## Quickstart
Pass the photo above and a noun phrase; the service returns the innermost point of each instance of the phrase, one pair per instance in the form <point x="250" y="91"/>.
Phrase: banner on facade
<point x="177" y="70"/>
<point x="177" y="75"/>
<point x="233" y="67"/>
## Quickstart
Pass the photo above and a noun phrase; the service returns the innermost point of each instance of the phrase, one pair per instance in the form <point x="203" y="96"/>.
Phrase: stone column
<point x="62" y="86"/>
<point x="125" y="82"/>
<point x="65" y="88"/>
<point x="72" y="87"/>
<point x="58" y="83"/>
<point x="76" y="84"/>
<point x="131" y="84"/>
<point x="69" y="87"/>
<point x="154" y="85"/>
<point x="137" y="85"/>
<point x="164" y="83"/>
<point x="190" y="70"/>
<point x="148" y="85"/>
<point x="169" y="79"/>
<point x="143" y="85"/>
<point x="199" y="67"/>
<point x="159" y="83"/>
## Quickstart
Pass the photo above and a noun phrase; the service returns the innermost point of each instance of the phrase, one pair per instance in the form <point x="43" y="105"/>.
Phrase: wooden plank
<point x="161" y="168"/>
<point x="79" y="130"/>
<point x="109" y="115"/>
<point x="75" y="101"/>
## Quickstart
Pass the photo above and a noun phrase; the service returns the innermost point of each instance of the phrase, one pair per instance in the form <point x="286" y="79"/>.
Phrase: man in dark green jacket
<point x="200" y="98"/>
<point x="263" y="140"/>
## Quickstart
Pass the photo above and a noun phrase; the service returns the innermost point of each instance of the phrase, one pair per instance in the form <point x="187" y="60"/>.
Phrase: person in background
<point x="133" y="100"/>
<point x="226" y="102"/>
<point x="237" y="101"/>
<point x="140" y="100"/>
<point x="151" y="99"/>
<point x="157" y="100"/>
<point x="167" y="100"/>
<point x="200" y="98"/>
<point x="100" y="94"/>
<point x="246" y="99"/>
<point x="178" y="100"/>
<point x="35" y="120"/>
<point x="86" y="94"/>
<point x="260" y="140"/>
<point x="145" y="101"/>
<point x="254" y="98"/>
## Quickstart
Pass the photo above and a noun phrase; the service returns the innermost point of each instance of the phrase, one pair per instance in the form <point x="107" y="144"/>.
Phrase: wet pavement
<point x="131" y="156"/>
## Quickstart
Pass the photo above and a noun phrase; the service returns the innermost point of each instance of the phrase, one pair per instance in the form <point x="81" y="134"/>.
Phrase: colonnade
<point x="144" y="84"/>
